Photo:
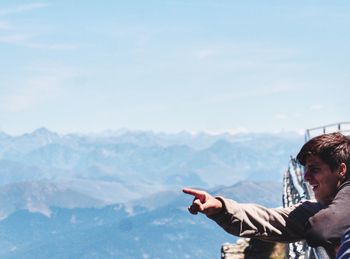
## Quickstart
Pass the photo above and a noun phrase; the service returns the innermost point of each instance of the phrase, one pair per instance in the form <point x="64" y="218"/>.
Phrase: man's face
<point x="323" y="180"/>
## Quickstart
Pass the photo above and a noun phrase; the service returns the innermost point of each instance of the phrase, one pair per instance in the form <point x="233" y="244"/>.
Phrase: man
<point x="326" y="161"/>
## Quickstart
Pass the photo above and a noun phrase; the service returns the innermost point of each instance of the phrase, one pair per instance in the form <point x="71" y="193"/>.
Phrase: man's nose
<point x="307" y="175"/>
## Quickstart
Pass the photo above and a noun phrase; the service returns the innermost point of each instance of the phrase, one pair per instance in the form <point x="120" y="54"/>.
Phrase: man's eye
<point x="314" y="171"/>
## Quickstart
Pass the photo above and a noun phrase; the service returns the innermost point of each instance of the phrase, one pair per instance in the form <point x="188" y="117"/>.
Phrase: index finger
<point x="194" y="192"/>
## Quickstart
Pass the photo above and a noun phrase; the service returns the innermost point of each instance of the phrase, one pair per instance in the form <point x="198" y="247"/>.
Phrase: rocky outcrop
<point x="246" y="248"/>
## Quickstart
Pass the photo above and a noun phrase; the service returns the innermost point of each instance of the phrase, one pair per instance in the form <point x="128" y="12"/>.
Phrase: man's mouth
<point x="314" y="186"/>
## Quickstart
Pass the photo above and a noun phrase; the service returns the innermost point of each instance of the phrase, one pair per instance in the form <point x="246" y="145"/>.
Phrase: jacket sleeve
<point x="252" y="220"/>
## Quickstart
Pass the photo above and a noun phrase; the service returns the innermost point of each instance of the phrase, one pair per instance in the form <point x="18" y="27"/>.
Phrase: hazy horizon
<point x="152" y="131"/>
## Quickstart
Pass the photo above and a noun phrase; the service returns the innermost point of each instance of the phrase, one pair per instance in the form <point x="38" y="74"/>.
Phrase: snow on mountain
<point x="40" y="196"/>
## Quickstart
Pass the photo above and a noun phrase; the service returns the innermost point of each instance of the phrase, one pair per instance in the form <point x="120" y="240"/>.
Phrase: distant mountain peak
<point x="43" y="131"/>
<point x="41" y="136"/>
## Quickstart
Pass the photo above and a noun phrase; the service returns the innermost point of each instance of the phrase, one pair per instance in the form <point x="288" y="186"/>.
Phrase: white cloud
<point x="14" y="35"/>
<point x="25" y="40"/>
<point x="32" y="92"/>
<point x="55" y="46"/>
<point x="250" y="92"/>
<point x="316" y="107"/>
<point x="18" y="102"/>
<point x="300" y="131"/>
<point x="284" y="116"/>
<point x="296" y="115"/>
<point x="45" y="83"/>
<point x="14" y="38"/>
<point x="22" y="8"/>
<point x="280" y="116"/>
<point x="205" y="53"/>
<point x="246" y="53"/>
<point x="4" y="25"/>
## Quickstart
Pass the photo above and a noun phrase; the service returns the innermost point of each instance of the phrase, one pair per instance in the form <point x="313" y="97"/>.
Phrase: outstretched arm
<point x="252" y="220"/>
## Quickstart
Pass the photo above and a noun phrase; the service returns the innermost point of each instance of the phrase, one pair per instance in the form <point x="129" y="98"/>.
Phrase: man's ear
<point x="342" y="169"/>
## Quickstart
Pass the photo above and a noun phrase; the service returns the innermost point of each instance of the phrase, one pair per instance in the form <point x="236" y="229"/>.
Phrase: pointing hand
<point x="203" y="202"/>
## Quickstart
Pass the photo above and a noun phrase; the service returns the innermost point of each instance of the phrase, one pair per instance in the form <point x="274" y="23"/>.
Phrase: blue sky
<point x="173" y="65"/>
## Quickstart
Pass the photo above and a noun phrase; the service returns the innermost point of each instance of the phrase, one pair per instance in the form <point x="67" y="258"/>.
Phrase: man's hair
<point x="331" y="148"/>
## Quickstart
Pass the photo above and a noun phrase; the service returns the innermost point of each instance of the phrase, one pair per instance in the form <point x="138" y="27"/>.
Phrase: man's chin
<point x="319" y="198"/>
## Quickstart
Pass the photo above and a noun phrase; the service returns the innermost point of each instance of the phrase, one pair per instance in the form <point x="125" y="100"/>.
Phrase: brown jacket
<point x="318" y="224"/>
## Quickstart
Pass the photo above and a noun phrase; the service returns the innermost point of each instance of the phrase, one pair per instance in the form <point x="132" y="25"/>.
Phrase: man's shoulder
<point x="304" y="210"/>
<point x="345" y="187"/>
<point x="311" y="205"/>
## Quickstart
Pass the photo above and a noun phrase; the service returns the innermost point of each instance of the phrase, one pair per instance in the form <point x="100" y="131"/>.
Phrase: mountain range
<point x="158" y="226"/>
<point x="118" y="194"/>
<point x="144" y="162"/>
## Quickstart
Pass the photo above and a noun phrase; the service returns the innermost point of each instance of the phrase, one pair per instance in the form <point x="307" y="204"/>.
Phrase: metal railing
<point x="295" y="190"/>
<point x="293" y="193"/>
<point x="343" y="127"/>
